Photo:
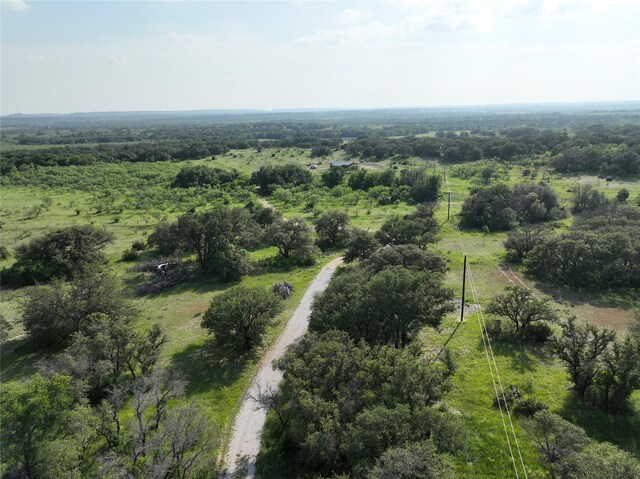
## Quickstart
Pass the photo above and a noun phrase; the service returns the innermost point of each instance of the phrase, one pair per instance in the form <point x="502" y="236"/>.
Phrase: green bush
<point x="129" y="255"/>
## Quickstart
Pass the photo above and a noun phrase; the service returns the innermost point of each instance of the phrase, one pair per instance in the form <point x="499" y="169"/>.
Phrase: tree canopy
<point x="62" y="253"/>
<point x="345" y="403"/>
<point x="388" y="306"/>
<point x="500" y="207"/>
<point x="240" y="316"/>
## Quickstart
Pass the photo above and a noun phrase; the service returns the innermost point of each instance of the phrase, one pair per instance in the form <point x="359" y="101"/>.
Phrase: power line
<point x="491" y="361"/>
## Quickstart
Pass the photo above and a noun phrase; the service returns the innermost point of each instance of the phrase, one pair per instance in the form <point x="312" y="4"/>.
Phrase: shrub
<point x="282" y="289"/>
<point x="528" y="407"/>
<point x="138" y="246"/>
<point x="129" y="255"/>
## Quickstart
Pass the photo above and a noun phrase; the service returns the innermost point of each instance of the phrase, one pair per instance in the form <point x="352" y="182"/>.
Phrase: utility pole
<point x="464" y="283"/>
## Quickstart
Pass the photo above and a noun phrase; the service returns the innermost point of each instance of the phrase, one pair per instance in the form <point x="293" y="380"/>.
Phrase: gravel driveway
<point x="247" y="429"/>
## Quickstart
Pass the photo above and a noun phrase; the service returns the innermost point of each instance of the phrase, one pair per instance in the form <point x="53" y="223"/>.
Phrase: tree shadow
<point x="209" y="366"/>
<point x="277" y="458"/>
<point x="523" y="357"/>
<point x="612" y="298"/>
<point x="623" y="430"/>
<point x="19" y="358"/>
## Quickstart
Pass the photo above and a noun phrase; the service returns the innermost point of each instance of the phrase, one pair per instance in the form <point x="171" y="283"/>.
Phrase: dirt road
<point x="240" y="459"/>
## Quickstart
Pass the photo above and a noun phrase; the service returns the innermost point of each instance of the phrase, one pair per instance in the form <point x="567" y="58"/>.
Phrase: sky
<point x="61" y="57"/>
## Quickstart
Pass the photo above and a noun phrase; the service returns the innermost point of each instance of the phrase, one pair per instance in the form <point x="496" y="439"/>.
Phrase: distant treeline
<point x="602" y="149"/>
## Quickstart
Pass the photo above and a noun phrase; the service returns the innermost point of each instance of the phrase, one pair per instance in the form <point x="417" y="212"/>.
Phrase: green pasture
<point x="130" y="199"/>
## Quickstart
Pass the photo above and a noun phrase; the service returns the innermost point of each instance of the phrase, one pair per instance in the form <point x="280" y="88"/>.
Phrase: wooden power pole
<point x="464" y="284"/>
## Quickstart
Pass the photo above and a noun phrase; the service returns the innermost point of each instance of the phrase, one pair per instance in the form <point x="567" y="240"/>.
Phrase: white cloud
<point x="425" y="17"/>
<point x="15" y="5"/>
<point x="442" y="20"/>
<point x="354" y="34"/>
<point x="38" y="58"/>
<point x="119" y="60"/>
<point x="189" y="39"/>
<point x="353" y="15"/>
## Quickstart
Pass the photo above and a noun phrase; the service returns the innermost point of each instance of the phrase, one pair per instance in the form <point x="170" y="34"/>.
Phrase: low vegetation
<point x="145" y="279"/>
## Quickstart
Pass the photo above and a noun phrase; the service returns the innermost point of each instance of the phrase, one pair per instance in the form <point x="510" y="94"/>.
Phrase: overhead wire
<point x="491" y="361"/>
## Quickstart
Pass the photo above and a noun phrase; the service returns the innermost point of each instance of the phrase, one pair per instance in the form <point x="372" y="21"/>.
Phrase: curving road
<point x="247" y="429"/>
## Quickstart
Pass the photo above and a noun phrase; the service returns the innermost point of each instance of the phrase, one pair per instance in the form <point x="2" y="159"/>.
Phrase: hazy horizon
<point x="622" y="104"/>
<point x="68" y="57"/>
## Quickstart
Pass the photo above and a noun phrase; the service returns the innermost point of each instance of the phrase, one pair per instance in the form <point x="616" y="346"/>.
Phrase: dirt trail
<point x="265" y="202"/>
<point x="240" y="458"/>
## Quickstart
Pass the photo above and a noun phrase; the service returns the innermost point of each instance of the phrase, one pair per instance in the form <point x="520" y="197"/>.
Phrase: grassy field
<point x="129" y="200"/>
<point x="531" y="368"/>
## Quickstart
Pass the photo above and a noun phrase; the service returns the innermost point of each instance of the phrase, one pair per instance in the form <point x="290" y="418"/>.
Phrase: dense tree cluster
<point x="62" y="253"/>
<point x="141" y="152"/>
<point x="419" y="228"/>
<point x="201" y="175"/>
<point x="501" y="207"/>
<point x="218" y="237"/>
<point x="387" y="299"/>
<point x="346" y="407"/>
<point x="607" y="159"/>
<point x="570" y="454"/>
<point x="386" y="187"/>
<point x="268" y="177"/>
<point x="66" y="422"/>
<point x="361" y="245"/>
<point x="604" y="370"/>
<point x="600" y="250"/>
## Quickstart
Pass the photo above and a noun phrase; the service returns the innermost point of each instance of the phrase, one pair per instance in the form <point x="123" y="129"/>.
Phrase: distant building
<point x="313" y="167"/>
<point x="342" y="164"/>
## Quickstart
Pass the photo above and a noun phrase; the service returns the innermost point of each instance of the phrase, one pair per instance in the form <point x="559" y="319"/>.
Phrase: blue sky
<point x="176" y="55"/>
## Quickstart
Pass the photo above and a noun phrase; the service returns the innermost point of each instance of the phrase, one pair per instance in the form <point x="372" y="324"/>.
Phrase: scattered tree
<point x="332" y="229"/>
<point x="293" y="239"/>
<point x="580" y="348"/>
<point x="555" y="438"/>
<point x="523" y="308"/>
<point x="361" y="245"/>
<point x="586" y="197"/>
<point x="521" y="241"/>
<point x="63" y="253"/>
<point x="415" y="461"/>
<point x="622" y="196"/>
<point x="407" y="256"/>
<point x="240" y="316"/>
